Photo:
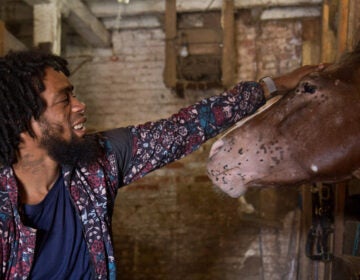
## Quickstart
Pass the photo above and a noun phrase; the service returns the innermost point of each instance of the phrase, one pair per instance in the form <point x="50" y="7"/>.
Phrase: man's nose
<point x="77" y="105"/>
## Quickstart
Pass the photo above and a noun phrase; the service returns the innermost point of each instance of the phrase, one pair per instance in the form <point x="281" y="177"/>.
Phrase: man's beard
<point x="76" y="151"/>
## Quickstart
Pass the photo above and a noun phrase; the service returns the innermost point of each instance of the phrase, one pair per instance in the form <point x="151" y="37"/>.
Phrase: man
<point x="58" y="184"/>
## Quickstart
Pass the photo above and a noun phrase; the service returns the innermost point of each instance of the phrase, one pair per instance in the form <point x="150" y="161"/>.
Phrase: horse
<point x="310" y="134"/>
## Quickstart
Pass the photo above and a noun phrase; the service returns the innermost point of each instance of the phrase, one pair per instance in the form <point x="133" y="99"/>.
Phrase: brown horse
<point x="312" y="134"/>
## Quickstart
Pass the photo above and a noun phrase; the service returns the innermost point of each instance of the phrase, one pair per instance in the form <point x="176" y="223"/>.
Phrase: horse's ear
<point x="356" y="173"/>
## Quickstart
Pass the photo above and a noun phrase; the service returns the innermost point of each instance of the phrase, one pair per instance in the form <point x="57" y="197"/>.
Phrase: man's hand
<point x="290" y="80"/>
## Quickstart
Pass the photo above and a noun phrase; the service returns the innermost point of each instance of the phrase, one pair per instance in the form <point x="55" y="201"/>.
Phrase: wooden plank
<point x="205" y="49"/>
<point x="343" y="26"/>
<point x="202" y="35"/>
<point x="290" y="13"/>
<point x="328" y="40"/>
<point x="228" y="53"/>
<point x="353" y="13"/>
<point x="170" y="45"/>
<point x="325" y="31"/>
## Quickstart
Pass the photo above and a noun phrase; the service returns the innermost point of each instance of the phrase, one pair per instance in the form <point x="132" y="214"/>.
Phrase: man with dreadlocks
<point x="58" y="184"/>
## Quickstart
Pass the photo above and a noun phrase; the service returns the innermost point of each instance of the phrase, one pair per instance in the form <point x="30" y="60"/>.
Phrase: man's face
<point x="62" y="125"/>
<point x="64" y="115"/>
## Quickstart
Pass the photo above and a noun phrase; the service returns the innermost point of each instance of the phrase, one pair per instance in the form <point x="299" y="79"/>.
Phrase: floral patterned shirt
<point x="129" y="154"/>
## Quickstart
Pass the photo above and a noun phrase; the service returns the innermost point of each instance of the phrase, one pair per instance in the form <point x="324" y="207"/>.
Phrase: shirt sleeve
<point x="119" y="143"/>
<point x="156" y="144"/>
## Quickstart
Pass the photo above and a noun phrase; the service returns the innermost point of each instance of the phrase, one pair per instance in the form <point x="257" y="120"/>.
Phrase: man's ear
<point x="36" y="127"/>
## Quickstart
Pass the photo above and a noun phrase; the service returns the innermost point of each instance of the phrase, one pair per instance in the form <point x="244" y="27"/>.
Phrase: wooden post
<point x="328" y="41"/>
<point x="354" y="24"/>
<point x="228" y="51"/>
<point x="343" y="27"/>
<point x="170" y="45"/>
<point x="47" y="26"/>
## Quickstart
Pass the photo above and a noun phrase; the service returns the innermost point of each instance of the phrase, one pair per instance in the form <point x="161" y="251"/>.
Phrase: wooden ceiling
<point x="94" y="20"/>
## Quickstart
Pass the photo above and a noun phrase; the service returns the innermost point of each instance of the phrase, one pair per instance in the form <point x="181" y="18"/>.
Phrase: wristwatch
<point x="270" y="84"/>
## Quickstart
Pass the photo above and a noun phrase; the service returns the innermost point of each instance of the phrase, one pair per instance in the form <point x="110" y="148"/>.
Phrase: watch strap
<point x="270" y="84"/>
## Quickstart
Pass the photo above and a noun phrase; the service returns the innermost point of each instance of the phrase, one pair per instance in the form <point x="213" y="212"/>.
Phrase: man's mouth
<point x="79" y="126"/>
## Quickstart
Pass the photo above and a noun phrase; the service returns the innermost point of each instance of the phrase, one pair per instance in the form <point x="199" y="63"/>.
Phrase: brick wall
<point x="172" y="224"/>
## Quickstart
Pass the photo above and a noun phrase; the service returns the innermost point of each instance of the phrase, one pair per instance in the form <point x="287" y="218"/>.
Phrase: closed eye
<point x="66" y="100"/>
<point x="68" y="94"/>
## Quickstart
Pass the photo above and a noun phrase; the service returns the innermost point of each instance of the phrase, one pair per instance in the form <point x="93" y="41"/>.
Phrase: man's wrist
<point x="269" y="86"/>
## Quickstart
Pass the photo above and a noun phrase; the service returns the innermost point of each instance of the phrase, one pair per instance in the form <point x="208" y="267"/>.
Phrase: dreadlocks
<point x="21" y="82"/>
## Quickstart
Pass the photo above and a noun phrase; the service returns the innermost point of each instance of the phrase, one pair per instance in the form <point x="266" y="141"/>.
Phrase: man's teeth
<point x="79" y="126"/>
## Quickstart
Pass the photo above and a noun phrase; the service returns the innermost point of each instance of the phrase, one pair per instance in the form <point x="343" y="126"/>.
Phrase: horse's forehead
<point x="319" y="105"/>
<point x="330" y="93"/>
<point x="323" y="94"/>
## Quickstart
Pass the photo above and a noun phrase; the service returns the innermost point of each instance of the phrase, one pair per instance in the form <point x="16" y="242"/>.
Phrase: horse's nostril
<point x="216" y="147"/>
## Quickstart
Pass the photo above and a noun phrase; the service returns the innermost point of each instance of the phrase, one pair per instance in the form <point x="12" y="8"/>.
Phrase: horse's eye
<point x="308" y="88"/>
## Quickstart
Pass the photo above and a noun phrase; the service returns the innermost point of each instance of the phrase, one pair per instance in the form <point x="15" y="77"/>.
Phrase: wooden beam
<point x="228" y="53"/>
<point x="47" y="26"/>
<point x="110" y="9"/>
<point x="87" y="25"/>
<point x="170" y="45"/>
<point x="8" y="41"/>
<point x="290" y="13"/>
<point x="141" y="21"/>
<point x="267" y="3"/>
<point x="36" y="2"/>
<point x="79" y="17"/>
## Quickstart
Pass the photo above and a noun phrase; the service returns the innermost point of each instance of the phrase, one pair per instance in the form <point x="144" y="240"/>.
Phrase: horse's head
<point x="311" y="134"/>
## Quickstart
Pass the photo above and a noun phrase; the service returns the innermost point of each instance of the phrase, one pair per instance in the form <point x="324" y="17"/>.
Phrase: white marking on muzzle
<point x="314" y="168"/>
